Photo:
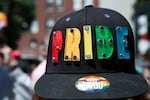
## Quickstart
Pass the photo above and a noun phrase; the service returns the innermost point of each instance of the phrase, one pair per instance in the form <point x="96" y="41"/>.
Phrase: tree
<point x="20" y="14"/>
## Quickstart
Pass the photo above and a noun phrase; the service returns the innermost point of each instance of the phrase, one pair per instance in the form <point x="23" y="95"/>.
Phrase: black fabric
<point x="93" y="17"/>
<point x="58" y="82"/>
<point x="62" y="86"/>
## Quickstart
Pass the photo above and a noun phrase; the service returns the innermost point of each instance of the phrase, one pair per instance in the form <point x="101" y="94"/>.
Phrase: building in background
<point x="47" y="13"/>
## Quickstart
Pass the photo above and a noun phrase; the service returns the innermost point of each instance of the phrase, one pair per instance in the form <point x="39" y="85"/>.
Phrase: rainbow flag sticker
<point x="92" y="84"/>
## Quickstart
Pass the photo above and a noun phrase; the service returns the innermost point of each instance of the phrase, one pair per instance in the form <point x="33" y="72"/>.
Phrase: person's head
<point x="44" y="47"/>
<point x="146" y="66"/>
<point x="1" y="59"/>
<point x="14" y="58"/>
<point x="91" y="56"/>
<point x="147" y="55"/>
<point x="5" y="49"/>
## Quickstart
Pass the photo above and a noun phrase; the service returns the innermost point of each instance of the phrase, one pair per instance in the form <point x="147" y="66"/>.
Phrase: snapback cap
<point x="15" y="54"/>
<point x="91" y="56"/>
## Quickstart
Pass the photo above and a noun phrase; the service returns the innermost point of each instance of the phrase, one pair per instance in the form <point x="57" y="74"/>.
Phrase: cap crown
<point x="89" y="41"/>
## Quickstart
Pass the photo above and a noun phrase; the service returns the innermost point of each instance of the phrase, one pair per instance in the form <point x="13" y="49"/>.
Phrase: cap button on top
<point x="89" y="6"/>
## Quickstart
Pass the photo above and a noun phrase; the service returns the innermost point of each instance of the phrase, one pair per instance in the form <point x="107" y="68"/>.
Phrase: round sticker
<point x="92" y="84"/>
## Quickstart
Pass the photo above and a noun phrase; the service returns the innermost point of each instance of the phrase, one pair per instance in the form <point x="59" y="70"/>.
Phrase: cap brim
<point x="62" y="86"/>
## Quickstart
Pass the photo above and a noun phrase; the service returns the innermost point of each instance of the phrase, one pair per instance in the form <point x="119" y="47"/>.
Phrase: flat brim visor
<point x="79" y="86"/>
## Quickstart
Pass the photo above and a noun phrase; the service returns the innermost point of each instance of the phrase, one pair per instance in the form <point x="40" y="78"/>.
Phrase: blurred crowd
<point x="142" y="66"/>
<point x="16" y="78"/>
<point x="17" y="83"/>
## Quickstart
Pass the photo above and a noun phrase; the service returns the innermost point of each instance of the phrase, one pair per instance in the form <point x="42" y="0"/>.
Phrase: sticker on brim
<point x="92" y="84"/>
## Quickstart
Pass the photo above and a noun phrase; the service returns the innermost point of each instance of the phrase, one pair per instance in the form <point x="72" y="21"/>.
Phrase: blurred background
<point x="26" y="25"/>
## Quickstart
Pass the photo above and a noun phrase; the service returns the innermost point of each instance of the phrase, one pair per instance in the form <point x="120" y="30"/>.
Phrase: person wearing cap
<point x="91" y="56"/>
<point x="22" y="86"/>
<point x="5" y="49"/>
<point x="5" y="81"/>
<point x="40" y="69"/>
<point x="146" y="71"/>
<point x="147" y="66"/>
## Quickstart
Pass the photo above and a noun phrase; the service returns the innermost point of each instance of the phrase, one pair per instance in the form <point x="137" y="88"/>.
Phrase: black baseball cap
<point x="91" y="56"/>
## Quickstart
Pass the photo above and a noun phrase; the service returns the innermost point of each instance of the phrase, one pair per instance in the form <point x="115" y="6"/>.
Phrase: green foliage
<point x="3" y="5"/>
<point x="20" y="14"/>
<point x="24" y="11"/>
